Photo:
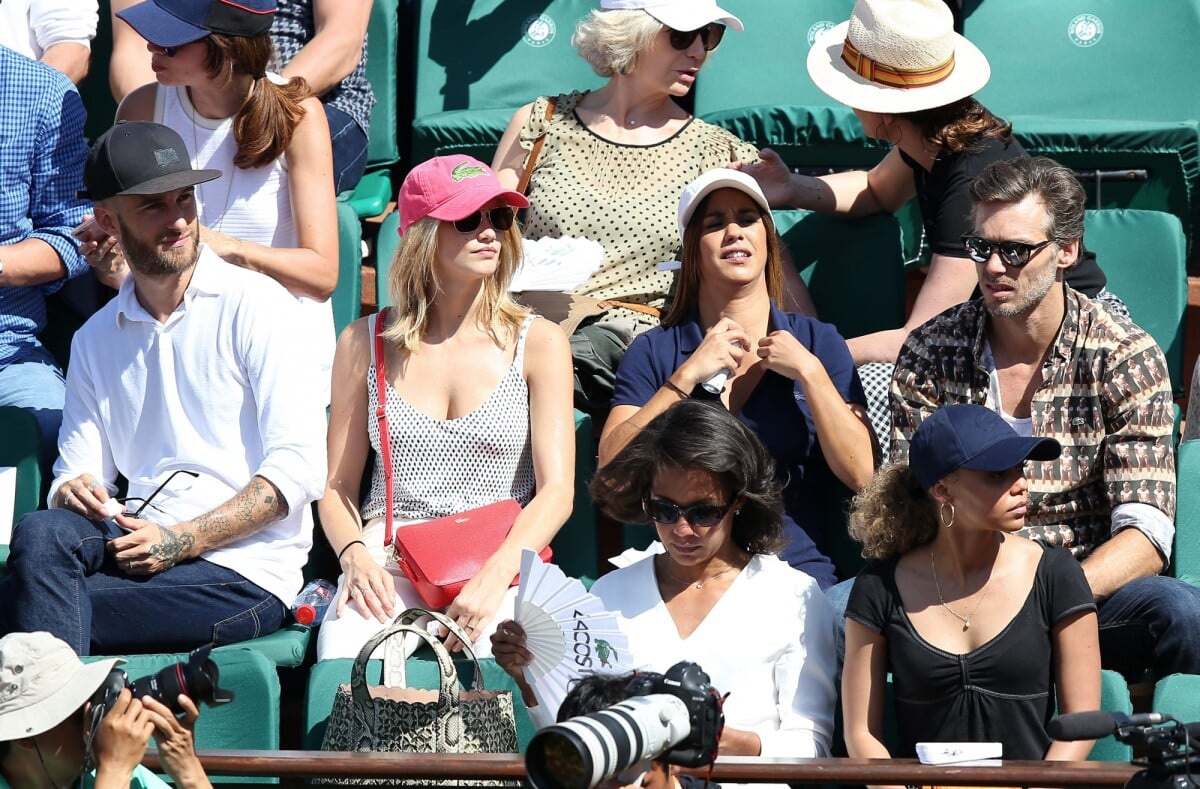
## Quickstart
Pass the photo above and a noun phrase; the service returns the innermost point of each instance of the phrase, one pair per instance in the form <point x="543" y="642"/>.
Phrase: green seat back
<point x="779" y="33"/>
<point x="347" y="296"/>
<point x="1107" y="58"/>
<point x="421" y="672"/>
<point x="491" y="54"/>
<point x="576" y="549"/>
<point x="1178" y="695"/>
<point x="249" y="722"/>
<point x="19" y="448"/>
<point x="854" y="268"/>
<point x="1186" y="556"/>
<point x="1142" y="254"/>
<point x="383" y="58"/>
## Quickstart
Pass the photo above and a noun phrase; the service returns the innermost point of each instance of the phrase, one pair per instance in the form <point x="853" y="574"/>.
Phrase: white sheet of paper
<point x="8" y="492"/>
<point x="557" y="263"/>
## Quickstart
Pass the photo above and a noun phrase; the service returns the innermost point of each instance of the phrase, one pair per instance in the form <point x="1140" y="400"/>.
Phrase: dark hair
<point x="592" y="693"/>
<point x="687" y="284"/>
<point x="693" y="434"/>
<point x="264" y="124"/>
<point x="892" y="514"/>
<point x="1056" y="187"/>
<point x="960" y="125"/>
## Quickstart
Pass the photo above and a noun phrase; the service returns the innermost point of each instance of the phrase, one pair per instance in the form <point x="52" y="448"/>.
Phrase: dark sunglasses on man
<point x="501" y="219"/>
<point x="1012" y="253"/>
<point x="711" y="34"/>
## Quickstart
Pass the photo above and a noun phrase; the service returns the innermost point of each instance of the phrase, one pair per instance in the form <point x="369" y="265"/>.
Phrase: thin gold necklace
<point x="196" y="157"/>
<point x="966" y="620"/>
<point x="700" y="584"/>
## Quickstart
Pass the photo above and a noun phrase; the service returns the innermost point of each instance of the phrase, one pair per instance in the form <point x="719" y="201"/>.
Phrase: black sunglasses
<point x="146" y="501"/>
<point x="1012" y="253"/>
<point x="712" y="34"/>
<point x="501" y="219"/>
<point x="666" y="513"/>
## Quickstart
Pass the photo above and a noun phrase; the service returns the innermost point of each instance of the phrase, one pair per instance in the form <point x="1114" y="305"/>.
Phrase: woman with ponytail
<point x="273" y="210"/>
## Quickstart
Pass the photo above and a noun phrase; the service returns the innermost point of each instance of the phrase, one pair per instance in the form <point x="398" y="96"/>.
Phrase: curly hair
<point x="413" y="284"/>
<point x="960" y="125"/>
<point x="693" y="434"/>
<point x="892" y="514"/>
<point x="687" y="284"/>
<point x="612" y="41"/>
<point x="1055" y="186"/>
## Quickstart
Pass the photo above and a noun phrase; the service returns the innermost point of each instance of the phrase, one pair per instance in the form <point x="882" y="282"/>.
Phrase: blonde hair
<point x="687" y="285"/>
<point x="413" y="285"/>
<point x="612" y="41"/>
<point x="892" y="514"/>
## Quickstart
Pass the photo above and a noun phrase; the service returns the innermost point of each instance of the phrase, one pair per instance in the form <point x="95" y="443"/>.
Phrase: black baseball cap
<point x="173" y="23"/>
<point x="139" y="158"/>
<point x="964" y="435"/>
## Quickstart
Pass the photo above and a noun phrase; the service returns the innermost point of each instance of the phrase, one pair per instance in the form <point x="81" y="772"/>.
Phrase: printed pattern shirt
<point x="1105" y="396"/>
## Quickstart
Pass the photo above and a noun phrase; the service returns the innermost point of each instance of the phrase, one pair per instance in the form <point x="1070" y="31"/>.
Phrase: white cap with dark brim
<point x="682" y="15"/>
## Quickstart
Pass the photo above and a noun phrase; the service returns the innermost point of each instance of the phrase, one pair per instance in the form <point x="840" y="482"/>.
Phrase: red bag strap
<point x="378" y="352"/>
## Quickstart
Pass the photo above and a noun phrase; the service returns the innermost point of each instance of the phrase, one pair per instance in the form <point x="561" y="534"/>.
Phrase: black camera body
<point x="690" y="684"/>
<point x="198" y="678"/>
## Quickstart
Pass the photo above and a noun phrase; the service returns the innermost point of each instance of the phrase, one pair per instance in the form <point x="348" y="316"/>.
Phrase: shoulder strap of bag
<point x="523" y="184"/>
<point x="449" y="717"/>
<point x="379" y="357"/>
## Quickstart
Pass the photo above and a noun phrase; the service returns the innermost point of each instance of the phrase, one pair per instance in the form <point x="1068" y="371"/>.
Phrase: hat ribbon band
<point x="891" y="76"/>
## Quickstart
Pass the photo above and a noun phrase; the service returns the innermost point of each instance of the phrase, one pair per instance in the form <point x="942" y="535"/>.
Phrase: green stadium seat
<point x="490" y="55"/>
<point x="1114" y="697"/>
<point x="421" y="672"/>
<point x="1178" y="695"/>
<point x="19" y="449"/>
<point x="250" y="721"/>
<point x="1186" y="557"/>
<point x="1142" y="254"/>
<point x="1100" y="53"/>
<point x="576" y="549"/>
<point x="347" y="295"/>
<point x="778" y="32"/>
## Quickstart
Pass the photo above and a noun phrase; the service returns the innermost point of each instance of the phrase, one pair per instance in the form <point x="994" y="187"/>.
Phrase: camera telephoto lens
<point x="198" y="679"/>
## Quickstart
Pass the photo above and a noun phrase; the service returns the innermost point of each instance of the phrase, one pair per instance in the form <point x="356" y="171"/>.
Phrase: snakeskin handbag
<point x="394" y="718"/>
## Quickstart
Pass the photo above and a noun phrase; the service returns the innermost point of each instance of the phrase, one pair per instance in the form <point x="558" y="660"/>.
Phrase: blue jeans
<point x="1151" y="623"/>
<point x="349" y="149"/>
<point x="33" y="381"/>
<point x="838" y="596"/>
<point x="64" y="581"/>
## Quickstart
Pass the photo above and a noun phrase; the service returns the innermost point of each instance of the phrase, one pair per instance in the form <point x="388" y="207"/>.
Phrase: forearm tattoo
<point x="255" y="507"/>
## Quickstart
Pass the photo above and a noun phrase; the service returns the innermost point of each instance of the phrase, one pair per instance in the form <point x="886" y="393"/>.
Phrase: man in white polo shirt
<point x="194" y="385"/>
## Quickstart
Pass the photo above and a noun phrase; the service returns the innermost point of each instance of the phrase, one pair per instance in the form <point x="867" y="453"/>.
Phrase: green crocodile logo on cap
<point x="464" y="171"/>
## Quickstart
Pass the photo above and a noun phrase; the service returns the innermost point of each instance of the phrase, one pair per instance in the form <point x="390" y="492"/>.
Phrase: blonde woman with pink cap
<point x="910" y="78"/>
<point x="611" y="162"/>
<point x="478" y="406"/>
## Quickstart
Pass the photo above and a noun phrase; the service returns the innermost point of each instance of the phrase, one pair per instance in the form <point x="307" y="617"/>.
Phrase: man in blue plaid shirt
<point x="42" y="151"/>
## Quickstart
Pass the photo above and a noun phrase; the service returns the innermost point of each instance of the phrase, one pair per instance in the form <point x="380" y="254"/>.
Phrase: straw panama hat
<point x="907" y="54"/>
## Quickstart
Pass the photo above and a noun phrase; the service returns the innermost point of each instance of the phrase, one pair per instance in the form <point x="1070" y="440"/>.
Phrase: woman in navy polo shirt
<point x="790" y="377"/>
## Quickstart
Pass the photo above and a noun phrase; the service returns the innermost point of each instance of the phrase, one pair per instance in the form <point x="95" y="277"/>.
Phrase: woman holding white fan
<point x="790" y="378"/>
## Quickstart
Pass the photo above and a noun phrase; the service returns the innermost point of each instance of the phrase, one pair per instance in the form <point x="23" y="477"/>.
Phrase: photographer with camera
<point x="717" y="594"/>
<point x="46" y="702"/>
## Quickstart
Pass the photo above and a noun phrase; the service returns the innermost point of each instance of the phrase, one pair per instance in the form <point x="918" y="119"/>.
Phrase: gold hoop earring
<point x="947" y="522"/>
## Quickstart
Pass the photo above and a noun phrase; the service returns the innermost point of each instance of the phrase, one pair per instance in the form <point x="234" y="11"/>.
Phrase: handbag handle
<point x="523" y="184"/>
<point x="379" y="357"/>
<point x="410" y="617"/>
<point x="449" y="726"/>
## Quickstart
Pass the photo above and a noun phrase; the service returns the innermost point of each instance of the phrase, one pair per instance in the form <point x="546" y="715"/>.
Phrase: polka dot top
<point x="623" y="196"/>
<point x="444" y="466"/>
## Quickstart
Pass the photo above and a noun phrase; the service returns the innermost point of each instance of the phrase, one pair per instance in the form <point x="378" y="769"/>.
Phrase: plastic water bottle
<point x="313" y="601"/>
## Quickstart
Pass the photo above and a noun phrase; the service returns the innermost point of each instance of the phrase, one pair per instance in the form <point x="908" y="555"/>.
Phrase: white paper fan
<point x="567" y="629"/>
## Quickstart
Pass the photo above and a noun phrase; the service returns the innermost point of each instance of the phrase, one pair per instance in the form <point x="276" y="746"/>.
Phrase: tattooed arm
<point x="149" y="548"/>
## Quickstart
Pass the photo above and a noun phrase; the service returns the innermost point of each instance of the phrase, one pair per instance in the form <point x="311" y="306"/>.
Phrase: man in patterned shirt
<point x="42" y="151"/>
<point x="1054" y="363"/>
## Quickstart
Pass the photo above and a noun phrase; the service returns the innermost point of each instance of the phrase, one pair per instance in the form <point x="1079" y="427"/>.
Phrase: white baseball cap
<point x="719" y="178"/>
<point x="681" y="15"/>
<point x="42" y="683"/>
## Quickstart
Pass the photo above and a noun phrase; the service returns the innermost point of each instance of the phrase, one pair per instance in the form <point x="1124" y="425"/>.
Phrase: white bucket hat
<point x="897" y="56"/>
<point x="42" y="683"/>
<point x="720" y="178"/>
<point x="681" y="15"/>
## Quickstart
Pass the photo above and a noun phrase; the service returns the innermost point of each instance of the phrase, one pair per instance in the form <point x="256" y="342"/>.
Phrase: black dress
<point x="1001" y="692"/>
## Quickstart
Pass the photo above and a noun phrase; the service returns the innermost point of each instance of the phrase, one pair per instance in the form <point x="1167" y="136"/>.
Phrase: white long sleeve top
<point x="33" y="26"/>
<point x="226" y="387"/>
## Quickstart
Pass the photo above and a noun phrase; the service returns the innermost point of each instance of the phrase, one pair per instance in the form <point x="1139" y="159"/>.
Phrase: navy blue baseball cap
<point x="970" y="436"/>
<point x="173" y="23"/>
